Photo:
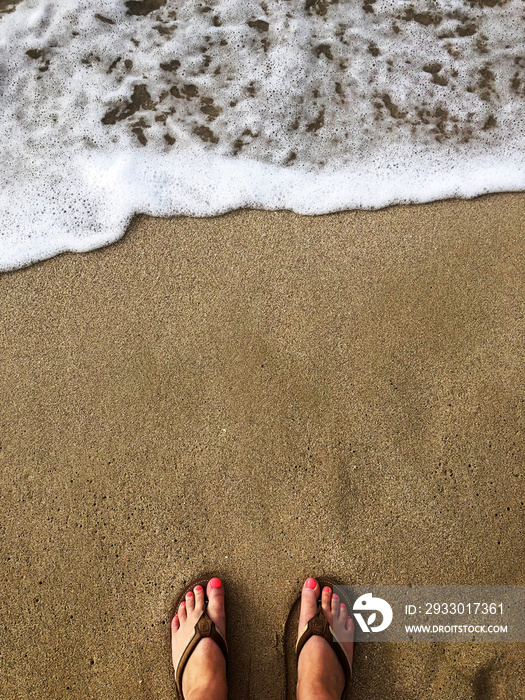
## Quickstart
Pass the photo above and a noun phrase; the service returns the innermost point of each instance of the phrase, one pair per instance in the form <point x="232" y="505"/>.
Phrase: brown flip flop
<point x="317" y="625"/>
<point x="204" y="627"/>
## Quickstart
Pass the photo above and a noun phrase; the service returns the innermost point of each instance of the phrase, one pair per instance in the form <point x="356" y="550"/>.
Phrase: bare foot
<point x="319" y="671"/>
<point x="204" y="675"/>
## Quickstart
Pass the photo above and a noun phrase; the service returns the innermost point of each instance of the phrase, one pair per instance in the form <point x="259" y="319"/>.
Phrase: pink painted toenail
<point x="215" y="583"/>
<point x="183" y="602"/>
<point x="335" y="596"/>
<point x="310" y="583"/>
<point x="198" y="589"/>
<point x="326" y="589"/>
<point x="189" y="593"/>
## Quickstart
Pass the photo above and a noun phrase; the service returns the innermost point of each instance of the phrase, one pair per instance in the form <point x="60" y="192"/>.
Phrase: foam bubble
<point x="112" y="108"/>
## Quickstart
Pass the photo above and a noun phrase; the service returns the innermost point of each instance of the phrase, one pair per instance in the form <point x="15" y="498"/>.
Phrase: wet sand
<point x="262" y="396"/>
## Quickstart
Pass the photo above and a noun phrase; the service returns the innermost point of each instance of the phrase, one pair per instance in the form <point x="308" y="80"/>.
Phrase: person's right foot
<point x="319" y="671"/>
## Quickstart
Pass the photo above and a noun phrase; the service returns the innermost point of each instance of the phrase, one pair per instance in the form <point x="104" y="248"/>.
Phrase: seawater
<point x="109" y="108"/>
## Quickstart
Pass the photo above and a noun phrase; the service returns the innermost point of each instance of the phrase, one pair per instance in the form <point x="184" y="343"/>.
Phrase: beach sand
<point x="262" y="396"/>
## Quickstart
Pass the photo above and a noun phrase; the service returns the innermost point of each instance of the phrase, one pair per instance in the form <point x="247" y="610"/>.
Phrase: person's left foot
<point x="204" y="675"/>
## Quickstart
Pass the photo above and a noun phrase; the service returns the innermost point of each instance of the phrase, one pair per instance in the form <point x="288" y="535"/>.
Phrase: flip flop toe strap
<point x="318" y="625"/>
<point x="204" y="627"/>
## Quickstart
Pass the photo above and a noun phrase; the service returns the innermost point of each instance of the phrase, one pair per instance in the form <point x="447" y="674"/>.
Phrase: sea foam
<point x="110" y="108"/>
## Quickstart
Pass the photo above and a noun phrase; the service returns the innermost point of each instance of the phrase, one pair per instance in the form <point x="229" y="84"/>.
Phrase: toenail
<point x="198" y="589"/>
<point x="326" y="589"/>
<point x="183" y="602"/>
<point x="189" y="593"/>
<point x="310" y="583"/>
<point x="335" y="596"/>
<point x="215" y="583"/>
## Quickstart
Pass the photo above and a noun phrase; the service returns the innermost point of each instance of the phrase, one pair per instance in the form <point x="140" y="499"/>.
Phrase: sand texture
<point x="262" y="396"/>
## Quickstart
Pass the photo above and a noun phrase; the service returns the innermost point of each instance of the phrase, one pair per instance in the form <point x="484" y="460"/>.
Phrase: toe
<point x="349" y="626"/>
<point x="309" y="598"/>
<point x="343" y="614"/>
<point x="215" y="592"/>
<point x="344" y="631"/>
<point x="175" y="624"/>
<point x="335" y="605"/>
<point x="190" y="601"/>
<point x="326" y="601"/>
<point x="199" y="597"/>
<point x="182" y="611"/>
<point x="343" y="627"/>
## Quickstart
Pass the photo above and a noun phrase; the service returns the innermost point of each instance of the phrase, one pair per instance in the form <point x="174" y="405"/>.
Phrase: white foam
<point x="317" y="108"/>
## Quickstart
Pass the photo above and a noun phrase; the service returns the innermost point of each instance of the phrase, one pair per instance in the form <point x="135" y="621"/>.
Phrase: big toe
<point x="216" y="611"/>
<point x="309" y="597"/>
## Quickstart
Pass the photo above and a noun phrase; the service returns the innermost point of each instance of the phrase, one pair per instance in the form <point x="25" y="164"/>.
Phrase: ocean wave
<point x="112" y="108"/>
